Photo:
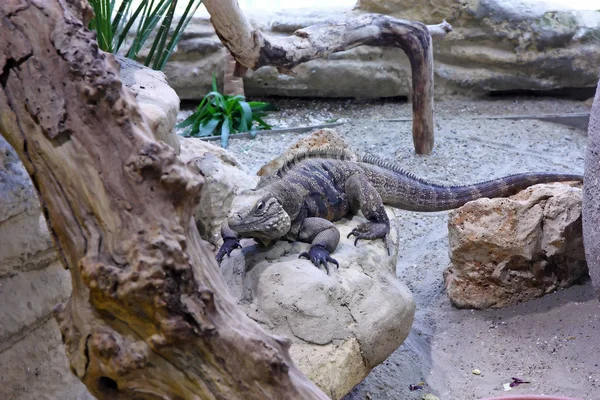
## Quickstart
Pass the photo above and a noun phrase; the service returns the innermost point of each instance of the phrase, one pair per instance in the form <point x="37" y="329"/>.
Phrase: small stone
<point x="476" y="372"/>
<point x="429" y="396"/>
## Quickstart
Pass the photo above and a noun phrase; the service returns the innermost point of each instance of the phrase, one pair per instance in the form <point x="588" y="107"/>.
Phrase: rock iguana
<point x="300" y="200"/>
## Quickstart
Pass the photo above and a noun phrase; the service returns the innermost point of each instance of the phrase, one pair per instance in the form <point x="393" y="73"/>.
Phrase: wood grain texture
<point x="150" y="316"/>
<point x="253" y="49"/>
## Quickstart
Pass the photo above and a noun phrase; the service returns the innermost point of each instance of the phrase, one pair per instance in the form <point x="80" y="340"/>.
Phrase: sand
<point x="554" y="341"/>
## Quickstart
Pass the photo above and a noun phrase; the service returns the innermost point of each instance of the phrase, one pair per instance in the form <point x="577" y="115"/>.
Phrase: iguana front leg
<point x="231" y="242"/>
<point x="363" y="196"/>
<point x="323" y="237"/>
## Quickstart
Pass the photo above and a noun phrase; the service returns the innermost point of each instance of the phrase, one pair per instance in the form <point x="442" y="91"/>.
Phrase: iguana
<point x="300" y="200"/>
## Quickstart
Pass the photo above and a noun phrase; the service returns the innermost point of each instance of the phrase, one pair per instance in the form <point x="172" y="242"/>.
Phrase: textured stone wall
<point x="496" y="45"/>
<point x="32" y="282"/>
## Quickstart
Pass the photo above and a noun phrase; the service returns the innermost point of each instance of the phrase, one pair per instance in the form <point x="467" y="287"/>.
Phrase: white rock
<point x="157" y="100"/>
<point x="224" y="178"/>
<point x="508" y="250"/>
<point x="343" y="324"/>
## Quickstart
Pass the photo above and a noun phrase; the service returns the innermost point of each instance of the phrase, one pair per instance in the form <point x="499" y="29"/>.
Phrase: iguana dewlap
<point x="300" y="201"/>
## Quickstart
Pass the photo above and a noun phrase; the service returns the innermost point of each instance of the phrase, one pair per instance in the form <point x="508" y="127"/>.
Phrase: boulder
<point x="591" y="195"/>
<point x="157" y="100"/>
<point x="496" y="45"/>
<point x="508" y="250"/>
<point x="224" y="178"/>
<point x="341" y="324"/>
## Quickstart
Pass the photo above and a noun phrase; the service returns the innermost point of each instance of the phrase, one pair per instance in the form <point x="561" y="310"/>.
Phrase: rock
<point x="28" y="298"/>
<point x="32" y="282"/>
<point x="591" y="195"/>
<point x="157" y="100"/>
<point x="35" y="367"/>
<point x="223" y="180"/>
<point x="496" y="45"/>
<point x="509" y="250"/>
<point x="26" y="242"/>
<point x="341" y="325"/>
<point x="501" y="45"/>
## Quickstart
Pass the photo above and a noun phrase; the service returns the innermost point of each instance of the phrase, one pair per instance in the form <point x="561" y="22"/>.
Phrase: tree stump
<point x="150" y="316"/>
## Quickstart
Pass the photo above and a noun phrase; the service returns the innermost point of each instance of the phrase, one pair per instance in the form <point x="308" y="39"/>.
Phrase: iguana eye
<point x="260" y="206"/>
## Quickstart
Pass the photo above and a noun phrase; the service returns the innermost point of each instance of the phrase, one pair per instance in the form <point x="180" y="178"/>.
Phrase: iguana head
<point x="258" y="214"/>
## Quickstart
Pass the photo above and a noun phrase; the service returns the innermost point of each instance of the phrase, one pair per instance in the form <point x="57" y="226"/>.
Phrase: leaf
<point x="187" y="122"/>
<point x="262" y="106"/>
<point x="214" y="82"/>
<point x="225" y="132"/>
<point x="246" y="117"/>
<point x="208" y="128"/>
<point x="262" y="124"/>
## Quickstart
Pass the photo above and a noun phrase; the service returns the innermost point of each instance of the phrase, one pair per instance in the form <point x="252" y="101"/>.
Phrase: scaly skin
<point x="302" y="199"/>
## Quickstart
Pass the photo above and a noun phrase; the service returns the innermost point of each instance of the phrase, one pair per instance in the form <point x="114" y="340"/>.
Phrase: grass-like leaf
<point x="225" y="115"/>
<point x="115" y="19"/>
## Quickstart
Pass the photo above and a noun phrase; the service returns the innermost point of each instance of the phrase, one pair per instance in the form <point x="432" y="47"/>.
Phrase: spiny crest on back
<point x="328" y="152"/>
<point x="394" y="167"/>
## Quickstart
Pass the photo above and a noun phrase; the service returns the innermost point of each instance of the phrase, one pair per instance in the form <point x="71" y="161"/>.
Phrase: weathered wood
<point x="253" y="49"/>
<point x="233" y="85"/>
<point x="150" y="316"/>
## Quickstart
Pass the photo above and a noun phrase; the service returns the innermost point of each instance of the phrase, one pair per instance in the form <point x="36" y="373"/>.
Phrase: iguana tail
<point x="403" y="190"/>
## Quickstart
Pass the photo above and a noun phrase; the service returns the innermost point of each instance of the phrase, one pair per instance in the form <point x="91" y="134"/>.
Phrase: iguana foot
<point x="319" y="255"/>
<point x="229" y="244"/>
<point x="370" y="230"/>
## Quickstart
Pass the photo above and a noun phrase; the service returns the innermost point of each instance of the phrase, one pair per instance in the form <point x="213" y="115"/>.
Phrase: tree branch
<point x="150" y="316"/>
<point x="253" y="49"/>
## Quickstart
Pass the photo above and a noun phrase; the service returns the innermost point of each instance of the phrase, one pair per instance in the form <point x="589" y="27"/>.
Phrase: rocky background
<point x="496" y="45"/>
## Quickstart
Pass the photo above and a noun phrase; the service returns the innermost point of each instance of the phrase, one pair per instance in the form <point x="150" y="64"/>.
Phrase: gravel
<point x="554" y="341"/>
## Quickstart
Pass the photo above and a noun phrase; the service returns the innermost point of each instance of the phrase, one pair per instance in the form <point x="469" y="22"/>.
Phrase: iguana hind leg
<point x="364" y="197"/>
<point x="323" y="237"/>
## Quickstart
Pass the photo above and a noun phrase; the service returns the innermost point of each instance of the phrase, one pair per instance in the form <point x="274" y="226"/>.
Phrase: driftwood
<point x="253" y="49"/>
<point x="150" y="316"/>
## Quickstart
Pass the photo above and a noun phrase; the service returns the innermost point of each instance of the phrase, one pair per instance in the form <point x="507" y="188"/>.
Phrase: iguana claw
<point x="370" y="230"/>
<point x="229" y="244"/>
<point x="319" y="255"/>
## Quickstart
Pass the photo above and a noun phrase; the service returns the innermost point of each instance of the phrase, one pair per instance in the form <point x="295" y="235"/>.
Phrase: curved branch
<point x="150" y="316"/>
<point x="253" y="49"/>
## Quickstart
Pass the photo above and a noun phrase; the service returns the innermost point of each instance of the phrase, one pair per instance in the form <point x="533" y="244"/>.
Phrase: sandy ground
<point x="554" y="342"/>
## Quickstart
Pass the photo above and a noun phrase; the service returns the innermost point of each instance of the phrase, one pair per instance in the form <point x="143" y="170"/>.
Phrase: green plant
<point x="114" y="20"/>
<point x="221" y="114"/>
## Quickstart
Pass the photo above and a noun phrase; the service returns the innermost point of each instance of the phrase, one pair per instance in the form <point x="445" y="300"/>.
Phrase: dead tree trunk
<point x="150" y="316"/>
<point x="253" y="50"/>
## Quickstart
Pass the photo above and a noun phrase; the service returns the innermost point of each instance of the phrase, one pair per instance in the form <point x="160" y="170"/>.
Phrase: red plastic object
<point x="530" y="397"/>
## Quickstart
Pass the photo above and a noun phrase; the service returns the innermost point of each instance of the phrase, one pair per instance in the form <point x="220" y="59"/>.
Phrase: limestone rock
<point x="591" y="195"/>
<point x="32" y="282"/>
<point x="26" y="242"/>
<point x="157" y="100"/>
<point x="508" y="250"/>
<point x="496" y="45"/>
<point x="224" y="178"/>
<point x="36" y="367"/>
<point x="341" y="325"/>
